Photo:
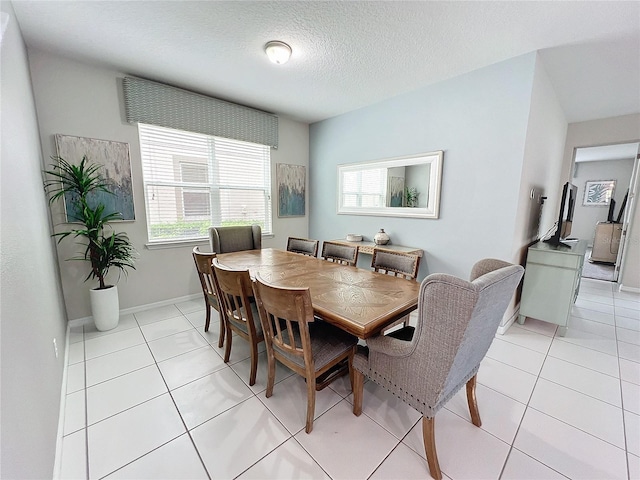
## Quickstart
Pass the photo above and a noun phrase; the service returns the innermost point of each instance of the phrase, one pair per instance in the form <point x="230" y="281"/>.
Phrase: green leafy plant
<point x="411" y="196"/>
<point x="104" y="248"/>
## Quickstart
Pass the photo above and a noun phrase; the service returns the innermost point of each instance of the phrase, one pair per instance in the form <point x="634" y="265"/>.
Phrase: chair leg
<point x="222" y="331"/>
<point x="311" y="403"/>
<point x="206" y="322"/>
<point x="472" y="402"/>
<point x="254" y="363"/>
<point x="271" y="374"/>
<point x="227" y="349"/>
<point x="429" y="438"/>
<point x="358" y="388"/>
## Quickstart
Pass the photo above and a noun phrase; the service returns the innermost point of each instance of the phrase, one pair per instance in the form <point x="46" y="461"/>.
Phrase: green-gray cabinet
<point x="551" y="282"/>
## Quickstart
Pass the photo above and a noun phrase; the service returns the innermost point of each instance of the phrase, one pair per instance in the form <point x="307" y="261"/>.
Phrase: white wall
<point x="73" y="98"/>
<point x="32" y="312"/>
<point x="586" y="217"/>
<point x="606" y="131"/>
<point x="480" y="121"/>
<point x="541" y="166"/>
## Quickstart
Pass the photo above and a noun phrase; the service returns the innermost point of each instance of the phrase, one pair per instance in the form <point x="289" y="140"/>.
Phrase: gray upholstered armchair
<point x="457" y="321"/>
<point x="234" y="239"/>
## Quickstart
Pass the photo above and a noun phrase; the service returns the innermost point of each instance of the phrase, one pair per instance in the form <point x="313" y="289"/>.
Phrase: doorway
<point x="604" y="177"/>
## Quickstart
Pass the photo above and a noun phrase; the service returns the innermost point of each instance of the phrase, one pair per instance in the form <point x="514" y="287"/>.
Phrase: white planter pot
<point x="105" y="308"/>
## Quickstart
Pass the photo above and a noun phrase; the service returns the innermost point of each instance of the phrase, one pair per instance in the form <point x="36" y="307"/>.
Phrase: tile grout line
<point x="624" y="422"/>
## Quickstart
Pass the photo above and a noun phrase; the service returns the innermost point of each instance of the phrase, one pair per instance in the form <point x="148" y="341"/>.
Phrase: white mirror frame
<point x="432" y="210"/>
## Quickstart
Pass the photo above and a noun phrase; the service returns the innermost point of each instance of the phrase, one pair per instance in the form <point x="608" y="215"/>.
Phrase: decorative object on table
<point x="354" y="237"/>
<point x="411" y="196"/>
<point x="291" y="181"/>
<point x="598" y="192"/>
<point x="395" y="191"/>
<point x="116" y="169"/>
<point x="104" y="248"/>
<point x="381" y="238"/>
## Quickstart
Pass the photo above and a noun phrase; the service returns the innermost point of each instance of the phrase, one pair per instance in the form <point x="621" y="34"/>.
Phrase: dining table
<point x="359" y="301"/>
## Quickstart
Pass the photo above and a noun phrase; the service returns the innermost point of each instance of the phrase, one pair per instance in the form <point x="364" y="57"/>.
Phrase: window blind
<point x="166" y="106"/>
<point x="193" y="181"/>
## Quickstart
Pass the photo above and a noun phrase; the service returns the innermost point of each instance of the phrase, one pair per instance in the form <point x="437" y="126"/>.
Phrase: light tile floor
<point x="153" y="399"/>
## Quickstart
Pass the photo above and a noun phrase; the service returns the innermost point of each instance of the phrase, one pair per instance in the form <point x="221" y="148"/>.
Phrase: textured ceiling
<point x="347" y="55"/>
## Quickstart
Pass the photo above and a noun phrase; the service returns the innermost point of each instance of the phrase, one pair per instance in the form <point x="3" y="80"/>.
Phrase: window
<point x="193" y="181"/>
<point x="364" y="188"/>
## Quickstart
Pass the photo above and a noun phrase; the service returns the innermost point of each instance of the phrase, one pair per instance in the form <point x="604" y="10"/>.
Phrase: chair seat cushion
<point x="256" y="320"/>
<point x="327" y="343"/>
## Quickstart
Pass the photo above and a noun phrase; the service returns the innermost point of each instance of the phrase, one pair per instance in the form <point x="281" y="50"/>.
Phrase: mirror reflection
<point x="404" y="186"/>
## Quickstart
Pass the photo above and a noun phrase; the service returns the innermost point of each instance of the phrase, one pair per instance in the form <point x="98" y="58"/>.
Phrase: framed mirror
<point x="398" y="187"/>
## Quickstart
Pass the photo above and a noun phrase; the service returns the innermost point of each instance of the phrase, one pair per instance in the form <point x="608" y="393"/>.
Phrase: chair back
<point x="236" y="297"/>
<point x="339" y="253"/>
<point x="205" y="273"/>
<point x="285" y="314"/>
<point x="457" y="321"/>
<point x="235" y="239"/>
<point x="399" y="264"/>
<point x="303" y="246"/>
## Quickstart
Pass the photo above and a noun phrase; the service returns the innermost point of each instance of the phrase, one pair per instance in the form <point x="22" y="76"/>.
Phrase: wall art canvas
<point x="395" y="191"/>
<point x="291" y="181"/>
<point x="116" y="162"/>
<point x="598" y="192"/>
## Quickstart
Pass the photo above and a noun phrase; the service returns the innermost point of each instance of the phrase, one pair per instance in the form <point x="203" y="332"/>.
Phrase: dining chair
<point x="457" y="320"/>
<point x="234" y="239"/>
<point x="311" y="349"/>
<point x="398" y="264"/>
<point x="209" y="289"/>
<point x="339" y="253"/>
<point x="303" y="246"/>
<point x="241" y="314"/>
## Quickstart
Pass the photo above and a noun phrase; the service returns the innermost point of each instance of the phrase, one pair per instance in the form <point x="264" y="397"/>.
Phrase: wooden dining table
<point x="361" y="302"/>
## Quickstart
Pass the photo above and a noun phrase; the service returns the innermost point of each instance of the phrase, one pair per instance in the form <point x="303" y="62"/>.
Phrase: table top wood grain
<point x="359" y="301"/>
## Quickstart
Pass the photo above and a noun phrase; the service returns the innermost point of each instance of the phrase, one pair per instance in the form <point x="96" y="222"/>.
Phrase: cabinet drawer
<point x="555" y="259"/>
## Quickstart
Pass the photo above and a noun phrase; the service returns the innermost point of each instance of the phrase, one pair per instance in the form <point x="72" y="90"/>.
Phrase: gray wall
<point x="32" y="313"/>
<point x="73" y="98"/>
<point x="586" y="217"/>
<point x="480" y="121"/>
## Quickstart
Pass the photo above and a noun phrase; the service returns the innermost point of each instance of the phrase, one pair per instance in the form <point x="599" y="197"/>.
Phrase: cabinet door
<point x="548" y="293"/>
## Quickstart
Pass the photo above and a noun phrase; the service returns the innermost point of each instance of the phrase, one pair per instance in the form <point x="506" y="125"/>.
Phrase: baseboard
<point x="57" y="464"/>
<point x="140" y="308"/>
<point x="622" y="288"/>
<point x="514" y="316"/>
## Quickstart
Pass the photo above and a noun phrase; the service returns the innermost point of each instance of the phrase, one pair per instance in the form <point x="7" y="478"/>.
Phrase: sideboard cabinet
<point x="551" y="282"/>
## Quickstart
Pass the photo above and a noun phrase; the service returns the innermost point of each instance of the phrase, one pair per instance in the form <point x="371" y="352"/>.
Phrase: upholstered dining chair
<point x="457" y="320"/>
<point x="399" y="264"/>
<point x="303" y="246"/>
<point x="234" y="239"/>
<point x="209" y="289"/>
<point x="311" y="349"/>
<point x="339" y="253"/>
<point x="241" y="314"/>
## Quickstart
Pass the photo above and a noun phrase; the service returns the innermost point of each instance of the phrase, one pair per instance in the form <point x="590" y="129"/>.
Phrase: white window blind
<point x="364" y="188"/>
<point x="193" y="181"/>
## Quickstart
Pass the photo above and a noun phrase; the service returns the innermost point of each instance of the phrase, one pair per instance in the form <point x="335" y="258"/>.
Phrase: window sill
<point x="176" y="243"/>
<point x="192" y="242"/>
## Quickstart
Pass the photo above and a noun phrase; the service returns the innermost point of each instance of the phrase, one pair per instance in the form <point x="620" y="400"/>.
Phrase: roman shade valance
<point x="166" y="106"/>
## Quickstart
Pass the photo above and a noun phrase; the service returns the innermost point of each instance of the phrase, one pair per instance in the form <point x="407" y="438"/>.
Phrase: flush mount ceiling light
<point x="278" y="52"/>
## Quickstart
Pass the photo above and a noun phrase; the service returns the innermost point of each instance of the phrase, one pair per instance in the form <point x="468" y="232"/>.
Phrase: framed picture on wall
<point x="291" y="180"/>
<point x="598" y="192"/>
<point x="116" y="162"/>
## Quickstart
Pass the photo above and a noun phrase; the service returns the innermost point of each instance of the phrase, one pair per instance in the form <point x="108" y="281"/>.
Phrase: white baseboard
<point x="57" y="464"/>
<point x="622" y="288"/>
<point x="140" y="308"/>
<point x="514" y="316"/>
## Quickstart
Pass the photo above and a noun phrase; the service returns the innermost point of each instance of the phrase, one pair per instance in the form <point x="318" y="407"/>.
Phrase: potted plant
<point x="411" y="196"/>
<point x="104" y="248"/>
